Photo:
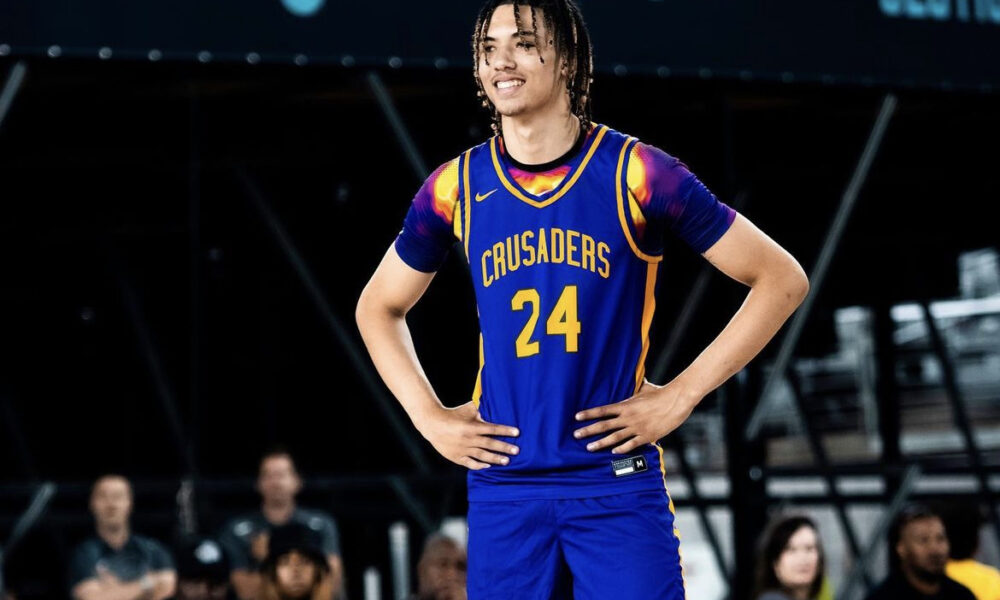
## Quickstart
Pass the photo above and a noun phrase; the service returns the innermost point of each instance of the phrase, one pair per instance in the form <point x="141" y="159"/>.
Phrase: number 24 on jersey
<point x="561" y="321"/>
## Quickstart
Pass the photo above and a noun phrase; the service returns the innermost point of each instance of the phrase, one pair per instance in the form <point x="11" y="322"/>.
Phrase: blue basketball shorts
<point x="622" y="547"/>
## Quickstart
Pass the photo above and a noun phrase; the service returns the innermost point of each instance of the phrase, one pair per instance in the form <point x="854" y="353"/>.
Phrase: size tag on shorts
<point x="628" y="465"/>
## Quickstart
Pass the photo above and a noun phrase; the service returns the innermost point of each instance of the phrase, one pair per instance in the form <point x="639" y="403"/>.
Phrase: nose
<point x="502" y="59"/>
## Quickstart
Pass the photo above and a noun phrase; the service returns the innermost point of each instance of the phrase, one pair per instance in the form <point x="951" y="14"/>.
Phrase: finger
<point x="488" y="443"/>
<point x="485" y="428"/>
<point x="610" y="440"/>
<point x="486" y="456"/>
<point x="628" y="446"/>
<point x="473" y="464"/>
<point x="596" y="428"/>
<point x="599" y="412"/>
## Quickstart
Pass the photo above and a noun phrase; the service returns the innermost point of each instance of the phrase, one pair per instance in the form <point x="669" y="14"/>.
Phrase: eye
<point x="488" y="49"/>
<point x="525" y="45"/>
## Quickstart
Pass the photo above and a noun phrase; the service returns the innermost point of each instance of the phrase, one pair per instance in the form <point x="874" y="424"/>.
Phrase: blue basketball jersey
<point x="565" y="300"/>
<point x="564" y="266"/>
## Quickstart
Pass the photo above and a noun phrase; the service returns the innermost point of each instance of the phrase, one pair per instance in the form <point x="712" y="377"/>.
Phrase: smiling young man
<point x="563" y="223"/>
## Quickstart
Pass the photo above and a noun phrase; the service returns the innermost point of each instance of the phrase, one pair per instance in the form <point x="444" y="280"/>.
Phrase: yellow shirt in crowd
<point x="982" y="580"/>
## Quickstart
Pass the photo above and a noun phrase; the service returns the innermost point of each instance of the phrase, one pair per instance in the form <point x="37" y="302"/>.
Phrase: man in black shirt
<point x="246" y="538"/>
<point x="117" y="563"/>
<point x="918" y="552"/>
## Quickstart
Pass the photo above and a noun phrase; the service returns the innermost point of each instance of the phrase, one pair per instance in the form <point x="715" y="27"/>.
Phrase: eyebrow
<point x="519" y="34"/>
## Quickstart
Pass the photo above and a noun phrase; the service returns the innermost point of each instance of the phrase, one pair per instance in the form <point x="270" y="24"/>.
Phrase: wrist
<point x="424" y="416"/>
<point x="687" y="394"/>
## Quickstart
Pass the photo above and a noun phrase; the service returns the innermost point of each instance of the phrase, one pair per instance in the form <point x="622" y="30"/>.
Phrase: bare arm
<point x="458" y="434"/>
<point x="381" y="315"/>
<point x="246" y="584"/>
<point x="336" y="574"/>
<point x="94" y="589"/>
<point x="777" y="286"/>
<point x="160" y="586"/>
<point x="164" y="585"/>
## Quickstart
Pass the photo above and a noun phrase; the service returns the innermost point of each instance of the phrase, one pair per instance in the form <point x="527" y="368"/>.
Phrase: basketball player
<point x="563" y="222"/>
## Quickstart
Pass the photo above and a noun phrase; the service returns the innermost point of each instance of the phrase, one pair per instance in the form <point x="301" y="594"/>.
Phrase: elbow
<point x="361" y="310"/>
<point x="364" y="310"/>
<point x="798" y="287"/>
<point x="372" y="309"/>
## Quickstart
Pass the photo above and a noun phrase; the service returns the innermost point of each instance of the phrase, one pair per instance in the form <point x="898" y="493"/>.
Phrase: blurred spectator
<point x="296" y="567"/>
<point x="117" y="564"/>
<point x="441" y="570"/>
<point x="790" y="563"/>
<point x="962" y="523"/>
<point x="246" y="538"/>
<point x="202" y="571"/>
<point x="918" y="551"/>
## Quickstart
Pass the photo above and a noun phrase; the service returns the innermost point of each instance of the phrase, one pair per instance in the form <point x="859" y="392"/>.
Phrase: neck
<point x="113" y="535"/>
<point x="278" y="512"/>
<point x="540" y="138"/>
<point x="798" y="593"/>
<point x="922" y="585"/>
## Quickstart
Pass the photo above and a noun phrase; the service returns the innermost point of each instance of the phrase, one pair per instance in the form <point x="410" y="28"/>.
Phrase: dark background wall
<point x="136" y="267"/>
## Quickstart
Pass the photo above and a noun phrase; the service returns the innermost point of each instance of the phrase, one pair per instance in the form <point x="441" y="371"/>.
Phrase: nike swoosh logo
<point x="480" y="198"/>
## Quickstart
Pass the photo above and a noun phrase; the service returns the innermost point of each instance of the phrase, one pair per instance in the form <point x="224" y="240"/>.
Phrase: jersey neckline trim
<point x="581" y="139"/>
<point x="571" y="178"/>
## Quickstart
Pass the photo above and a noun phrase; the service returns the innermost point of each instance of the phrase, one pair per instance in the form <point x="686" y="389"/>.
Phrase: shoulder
<point x="649" y="164"/>
<point x="985" y="571"/>
<point x="88" y="549"/>
<point x="147" y="543"/>
<point x="656" y="179"/>
<point x="485" y="148"/>
<point x="957" y="590"/>
<point x="439" y="193"/>
<point x="445" y="177"/>
<point x="610" y="136"/>
<point x="242" y="526"/>
<point x="314" y="519"/>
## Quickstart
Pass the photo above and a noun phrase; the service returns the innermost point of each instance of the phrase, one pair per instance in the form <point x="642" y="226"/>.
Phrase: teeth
<point x="503" y="85"/>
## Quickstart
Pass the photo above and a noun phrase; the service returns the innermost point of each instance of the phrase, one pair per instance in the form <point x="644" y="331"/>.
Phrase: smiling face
<point x="520" y="70"/>
<point x="797" y="566"/>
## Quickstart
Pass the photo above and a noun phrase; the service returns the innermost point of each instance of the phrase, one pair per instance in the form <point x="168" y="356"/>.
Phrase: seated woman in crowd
<point x="790" y="562"/>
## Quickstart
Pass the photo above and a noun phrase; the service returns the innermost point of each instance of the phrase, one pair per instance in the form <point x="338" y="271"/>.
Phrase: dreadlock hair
<point x="569" y="34"/>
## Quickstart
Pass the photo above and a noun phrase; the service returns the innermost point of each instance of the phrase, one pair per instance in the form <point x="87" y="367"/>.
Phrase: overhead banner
<point x="925" y="43"/>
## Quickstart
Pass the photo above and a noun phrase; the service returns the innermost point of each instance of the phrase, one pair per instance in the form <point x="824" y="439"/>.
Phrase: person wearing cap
<point x="246" y="537"/>
<point x="118" y="564"/>
<point x="202" y="571"/>
<point x="296" y="567"/>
